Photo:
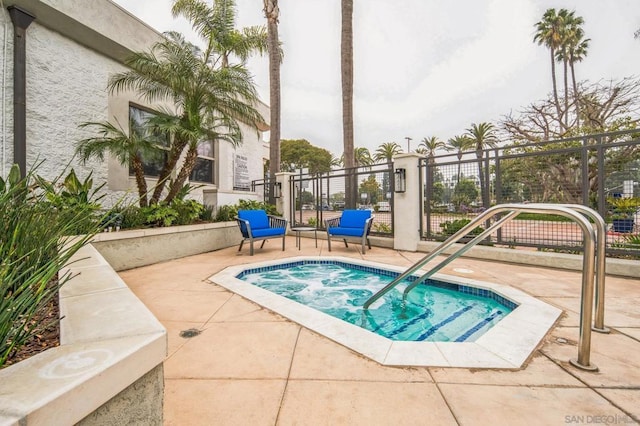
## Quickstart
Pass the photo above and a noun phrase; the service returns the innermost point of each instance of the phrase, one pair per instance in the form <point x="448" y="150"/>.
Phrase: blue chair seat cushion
<point x="267" y="232"/>
<point x="350" y="232"/>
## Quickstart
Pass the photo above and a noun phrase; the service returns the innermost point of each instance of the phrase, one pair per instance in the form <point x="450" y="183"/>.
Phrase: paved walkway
<point x="250" y="366"/>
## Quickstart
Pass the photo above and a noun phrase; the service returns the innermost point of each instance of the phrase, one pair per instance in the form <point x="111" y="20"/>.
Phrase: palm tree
<point x="346" y="66"/>
<point x="421" y="150"/>
<point x="210" y="101"/>
<point x="459" y="144"/>
<point x="386" y="152"/>
<point x="430" y="145"/>
<point x="337" y="161"/>
<point x="216" y="25"/>
<point x="127" y="149"/>
<point x="562" y="56"/>
<point x="482" y="136"/>
<point x="549" y="34"/>
<point x="572" y="42"/>
<point x="362" y="157"/>
<point x="272" y="12"/>
<point x="574" y="50"/>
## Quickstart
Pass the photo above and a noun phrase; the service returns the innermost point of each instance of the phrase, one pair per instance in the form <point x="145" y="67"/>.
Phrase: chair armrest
<point x="277" y="222"/>
<point x="332" y="223"/>
<point x="368" y="223"/>
<point x="246" y="224"/>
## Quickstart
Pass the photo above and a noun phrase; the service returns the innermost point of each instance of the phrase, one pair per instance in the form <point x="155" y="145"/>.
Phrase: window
<point x="203" y="170"/>
<point x="139" y="124"/>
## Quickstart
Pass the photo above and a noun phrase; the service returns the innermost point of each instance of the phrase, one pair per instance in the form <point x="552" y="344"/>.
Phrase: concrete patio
<point x="251" y="366"/>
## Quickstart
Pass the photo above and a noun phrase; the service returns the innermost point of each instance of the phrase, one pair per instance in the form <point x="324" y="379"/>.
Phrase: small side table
<point x="299" y="229"/>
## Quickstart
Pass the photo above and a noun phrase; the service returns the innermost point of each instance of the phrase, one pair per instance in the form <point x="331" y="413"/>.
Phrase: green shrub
<point x="382" y="228"/>
<point x="158" y="215"/>
<point x="71" y="197"/>
<point x="257" y="205"/>
<point x="630" y="242"/>
<point x="188" y="211"/>
<point x="184" y="212"/>
<point x="451" y="227"/>
<point x="542" y="216"/>
<point x="207" y="214"/>
<point x="132" y="217"/>
<point x="34" y="245"/>
<point x="227" y="213"/>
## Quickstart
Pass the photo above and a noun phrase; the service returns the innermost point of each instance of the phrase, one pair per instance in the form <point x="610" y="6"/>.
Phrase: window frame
<point x="134" y="125"/>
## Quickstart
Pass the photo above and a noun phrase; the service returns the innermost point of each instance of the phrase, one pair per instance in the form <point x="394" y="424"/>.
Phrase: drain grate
<point x="192" y="332"/>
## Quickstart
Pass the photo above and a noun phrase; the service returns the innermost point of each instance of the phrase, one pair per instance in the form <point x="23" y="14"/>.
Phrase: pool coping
<point x="507" y="345"/>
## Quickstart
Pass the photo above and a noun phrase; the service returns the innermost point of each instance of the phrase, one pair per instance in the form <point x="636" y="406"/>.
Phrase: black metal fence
<point x="317" y="197"/>
<point x="600" y="171"/>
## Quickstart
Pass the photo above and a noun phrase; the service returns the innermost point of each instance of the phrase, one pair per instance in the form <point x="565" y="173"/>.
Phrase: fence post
<point x="406" y="205"/>
<point x="284" y="204"/>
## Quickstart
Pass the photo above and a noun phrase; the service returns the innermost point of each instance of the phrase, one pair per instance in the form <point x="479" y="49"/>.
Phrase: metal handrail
<point x="601" y="263"/>
<point x="567" y="210"/>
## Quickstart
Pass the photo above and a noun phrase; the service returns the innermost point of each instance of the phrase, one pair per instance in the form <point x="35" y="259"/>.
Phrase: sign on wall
<point x="241" y="181"/>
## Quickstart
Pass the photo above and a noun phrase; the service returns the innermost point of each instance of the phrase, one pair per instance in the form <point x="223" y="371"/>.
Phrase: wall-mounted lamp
<point x="400" y="180"/>
<point x="277" y="190"/>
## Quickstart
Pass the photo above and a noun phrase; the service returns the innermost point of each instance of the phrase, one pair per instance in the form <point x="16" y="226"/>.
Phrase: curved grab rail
<point x="567" y="210"/>
<point x="601" y="262"/>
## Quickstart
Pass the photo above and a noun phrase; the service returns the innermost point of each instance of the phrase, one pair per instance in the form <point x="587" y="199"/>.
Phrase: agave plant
<point x="623" y="208"/>
<point x="35" y="243"/>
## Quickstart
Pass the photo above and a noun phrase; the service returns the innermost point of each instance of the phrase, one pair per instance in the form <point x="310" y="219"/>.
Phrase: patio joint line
<point x="231" y="295"/>
<point x="286" y="383"/>
<point x="594" y="389"/>
<point x="437" y="385"/>
<point x="630" y="415"/>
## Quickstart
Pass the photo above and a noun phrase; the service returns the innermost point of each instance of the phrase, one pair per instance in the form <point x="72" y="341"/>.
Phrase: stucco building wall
<point x="72" y="48"/>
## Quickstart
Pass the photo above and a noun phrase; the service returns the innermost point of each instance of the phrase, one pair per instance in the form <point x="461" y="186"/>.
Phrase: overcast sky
<point x="421" y="68"/>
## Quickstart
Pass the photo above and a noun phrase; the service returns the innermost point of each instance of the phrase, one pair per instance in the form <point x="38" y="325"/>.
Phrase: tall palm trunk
<point x="576" y="97"/>
<point x="555" y="86"/>
<point x="566" y="92"/>
<point x="138" y="172"/>
<point x="346" y="65"/>
<point x="483" y="189"/>
<point x="183" y="175"/>
<point x="272" y="11"/>
<point x="174" y="155"/>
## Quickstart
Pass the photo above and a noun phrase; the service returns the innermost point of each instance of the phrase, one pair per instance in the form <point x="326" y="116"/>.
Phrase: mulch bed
<point x="44" y="339"/>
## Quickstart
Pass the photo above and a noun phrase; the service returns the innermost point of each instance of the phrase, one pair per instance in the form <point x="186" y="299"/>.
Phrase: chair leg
<point x="329" y="241"/>
<point x="251" y="247"/>
<point x="369" y="243"/>
<point x="241" y="243"/>
<point x="364" y="250"/>
<point x="345" y="242"/>
<point x="262" y="245"/>
<point x="283" y="243"/>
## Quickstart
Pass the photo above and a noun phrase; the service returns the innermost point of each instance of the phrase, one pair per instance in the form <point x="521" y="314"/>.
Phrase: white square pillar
<point x="406" y="207"/>
<point x="283" y="204"/>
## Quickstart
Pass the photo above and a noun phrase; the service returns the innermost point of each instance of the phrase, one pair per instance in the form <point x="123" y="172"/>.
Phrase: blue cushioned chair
<point x="258" y="225"/>
<point x="352" y="224"/>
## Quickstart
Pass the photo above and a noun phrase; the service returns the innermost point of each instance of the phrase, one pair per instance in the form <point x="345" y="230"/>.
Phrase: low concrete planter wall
<point x="108" y="367"/>
<point x="132" y="249"/>
<point x="110" y="343"/>
<point x="621" y="267"/>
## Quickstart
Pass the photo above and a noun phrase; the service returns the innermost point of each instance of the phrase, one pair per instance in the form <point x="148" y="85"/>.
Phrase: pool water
<point x="435" y="311"/>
